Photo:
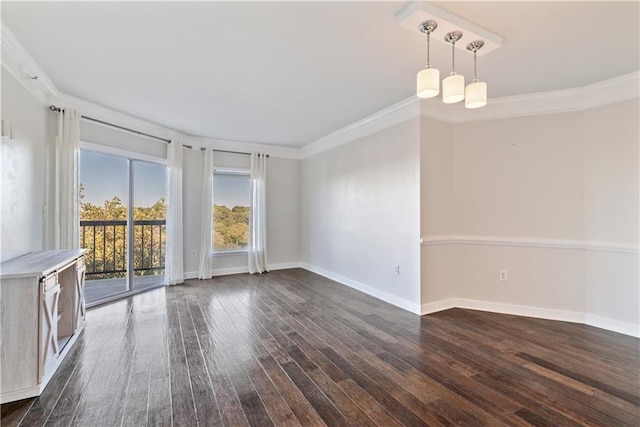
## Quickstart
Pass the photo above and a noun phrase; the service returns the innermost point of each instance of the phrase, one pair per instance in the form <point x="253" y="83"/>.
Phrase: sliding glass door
<point x="149" y="218"/>
<point x="122" y="224"/>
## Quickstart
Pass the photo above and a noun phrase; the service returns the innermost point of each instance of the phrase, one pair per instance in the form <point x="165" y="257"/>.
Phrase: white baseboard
<point x="612" y="325"/>
<point x="190" y="275"/>
<point x="241" y="270"/>
<point x="528" y="311"/>
<point x="520" y="310"/>
<point x="436" y="306"/>
<point x="285" y="265"/>
<point x="382" y="295"/>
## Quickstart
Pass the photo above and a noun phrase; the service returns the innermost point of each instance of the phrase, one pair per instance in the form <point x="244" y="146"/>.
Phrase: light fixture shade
<point x="428" y="83"/>
<point x="476" y="95"/>
<point x="453" y="89"/>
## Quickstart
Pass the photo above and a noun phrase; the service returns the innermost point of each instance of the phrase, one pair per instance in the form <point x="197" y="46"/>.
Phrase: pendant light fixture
<point x="453" y="86"/>
<point x="428" y="80"/>
<point x="476" y="92"/>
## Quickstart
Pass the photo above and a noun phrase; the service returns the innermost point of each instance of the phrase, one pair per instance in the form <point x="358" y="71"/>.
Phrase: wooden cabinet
<point x="42" y="312"/>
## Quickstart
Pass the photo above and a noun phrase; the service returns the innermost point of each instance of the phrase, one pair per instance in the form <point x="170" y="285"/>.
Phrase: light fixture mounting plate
<point x="475" y="45"/>
<point x="418" y="12"/>
<point x="428" y="26"/>
<point x="453" y="36"/>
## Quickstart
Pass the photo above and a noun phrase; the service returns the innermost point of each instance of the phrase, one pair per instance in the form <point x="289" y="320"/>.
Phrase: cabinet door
<point x="80" y="307"/>
<point x="49" y="349"/>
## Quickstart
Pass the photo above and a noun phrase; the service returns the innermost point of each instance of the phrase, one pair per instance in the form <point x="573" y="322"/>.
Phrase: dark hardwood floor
<point x="293" y="348"/>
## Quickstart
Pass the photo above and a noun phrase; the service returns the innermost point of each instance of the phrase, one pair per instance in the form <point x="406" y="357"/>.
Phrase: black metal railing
<point x="106" y="243"/>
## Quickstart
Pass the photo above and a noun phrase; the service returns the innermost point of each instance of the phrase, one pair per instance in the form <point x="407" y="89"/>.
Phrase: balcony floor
<point x="104" y="289"/>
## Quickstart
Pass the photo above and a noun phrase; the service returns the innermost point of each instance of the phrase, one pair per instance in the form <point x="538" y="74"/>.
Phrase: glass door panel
<point x="103" y="211"/>
<point x="149" y="229"/>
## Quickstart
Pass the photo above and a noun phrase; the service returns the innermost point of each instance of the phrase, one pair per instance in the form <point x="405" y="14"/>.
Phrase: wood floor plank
<point x="291" y="348"/>
<point x="368" y="404"/>
<point x="12" y="413"/>
<point x="279" y="411"/>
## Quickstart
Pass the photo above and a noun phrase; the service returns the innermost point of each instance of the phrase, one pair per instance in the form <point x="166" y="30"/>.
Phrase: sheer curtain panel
<point x="66" y="183"/>
<point x="258" y="217"/>
<point x="174" y="270"/>
<point x="206" y="246"/>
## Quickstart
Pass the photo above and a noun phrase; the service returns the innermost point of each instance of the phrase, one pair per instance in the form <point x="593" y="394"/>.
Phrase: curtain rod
<point x="137" y="132"/>
<point x="228" y="151"/>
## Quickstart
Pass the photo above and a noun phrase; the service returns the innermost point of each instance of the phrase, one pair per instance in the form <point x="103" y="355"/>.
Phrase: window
<point x="231" y="197"/>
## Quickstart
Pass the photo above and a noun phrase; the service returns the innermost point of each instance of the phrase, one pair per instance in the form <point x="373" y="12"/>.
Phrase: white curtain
<point x="66" y="183"/>
<point x="173" y="272"/>
<point x="258" y="218"/>
<point x="206" y="247"/>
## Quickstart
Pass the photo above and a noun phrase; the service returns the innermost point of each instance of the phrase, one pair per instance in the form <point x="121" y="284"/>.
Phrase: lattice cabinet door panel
<point x="80" y="307"/>
<point x="49" y="299"/>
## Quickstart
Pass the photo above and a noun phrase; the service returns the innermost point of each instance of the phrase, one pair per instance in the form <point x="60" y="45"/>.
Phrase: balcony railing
<point x="106" y="243"/>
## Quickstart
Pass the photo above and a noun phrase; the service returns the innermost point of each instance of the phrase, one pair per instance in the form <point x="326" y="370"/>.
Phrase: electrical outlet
<point x="503" y="275"/>
<point x="397" y="269"/>
<point x="194" y="254"/>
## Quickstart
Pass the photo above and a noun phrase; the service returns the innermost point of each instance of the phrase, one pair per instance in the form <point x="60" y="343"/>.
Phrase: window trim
<point x="230" y="252"/>
<point x="119" y="152"/>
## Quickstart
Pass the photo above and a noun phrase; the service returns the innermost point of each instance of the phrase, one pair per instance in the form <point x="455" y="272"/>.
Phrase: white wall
<point x="554" y="183"/>
<point x="22" y="168"/>
<point x="436" y="208"/>
<point x="611" y="205"/>
<point x="283" y="211"/>
<point x="361" y="214"/>
<point x="520" y="178"/>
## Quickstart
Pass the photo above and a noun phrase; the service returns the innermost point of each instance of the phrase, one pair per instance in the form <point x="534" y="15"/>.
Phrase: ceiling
<point x="288" y="73"/>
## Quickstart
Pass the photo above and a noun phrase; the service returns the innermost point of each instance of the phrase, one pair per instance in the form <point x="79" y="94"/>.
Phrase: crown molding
<point x="614" y="90"/>
<point x="395" y="114"/>
<point x="17" y="61"/>
<point x="609" y="91"/>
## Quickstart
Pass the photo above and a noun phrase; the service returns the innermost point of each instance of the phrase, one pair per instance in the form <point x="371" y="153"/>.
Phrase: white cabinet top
<point x="39" y="263"/>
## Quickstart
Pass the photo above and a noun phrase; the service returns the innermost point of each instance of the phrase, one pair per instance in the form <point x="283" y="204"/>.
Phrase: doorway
<point x="122" y="224"/>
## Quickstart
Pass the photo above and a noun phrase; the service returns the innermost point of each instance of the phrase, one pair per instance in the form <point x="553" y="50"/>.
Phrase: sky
<point x="231" y="190"/>
<point x="104" y="176"/>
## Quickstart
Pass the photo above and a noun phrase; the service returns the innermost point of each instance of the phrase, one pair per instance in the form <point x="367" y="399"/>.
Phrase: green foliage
<point x="107" y="244"/>
<point x="230" y="227"/>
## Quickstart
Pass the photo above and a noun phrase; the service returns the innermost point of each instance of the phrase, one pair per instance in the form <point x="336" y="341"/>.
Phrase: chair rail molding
<point x="528" y="242"/>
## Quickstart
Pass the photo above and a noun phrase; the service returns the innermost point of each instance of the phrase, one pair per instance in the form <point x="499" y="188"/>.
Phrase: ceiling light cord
<point x="475" y="68"/>
<point x="453" y="58"/>
<point x="428" y="39"/>
<point x="474" y="46"/>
